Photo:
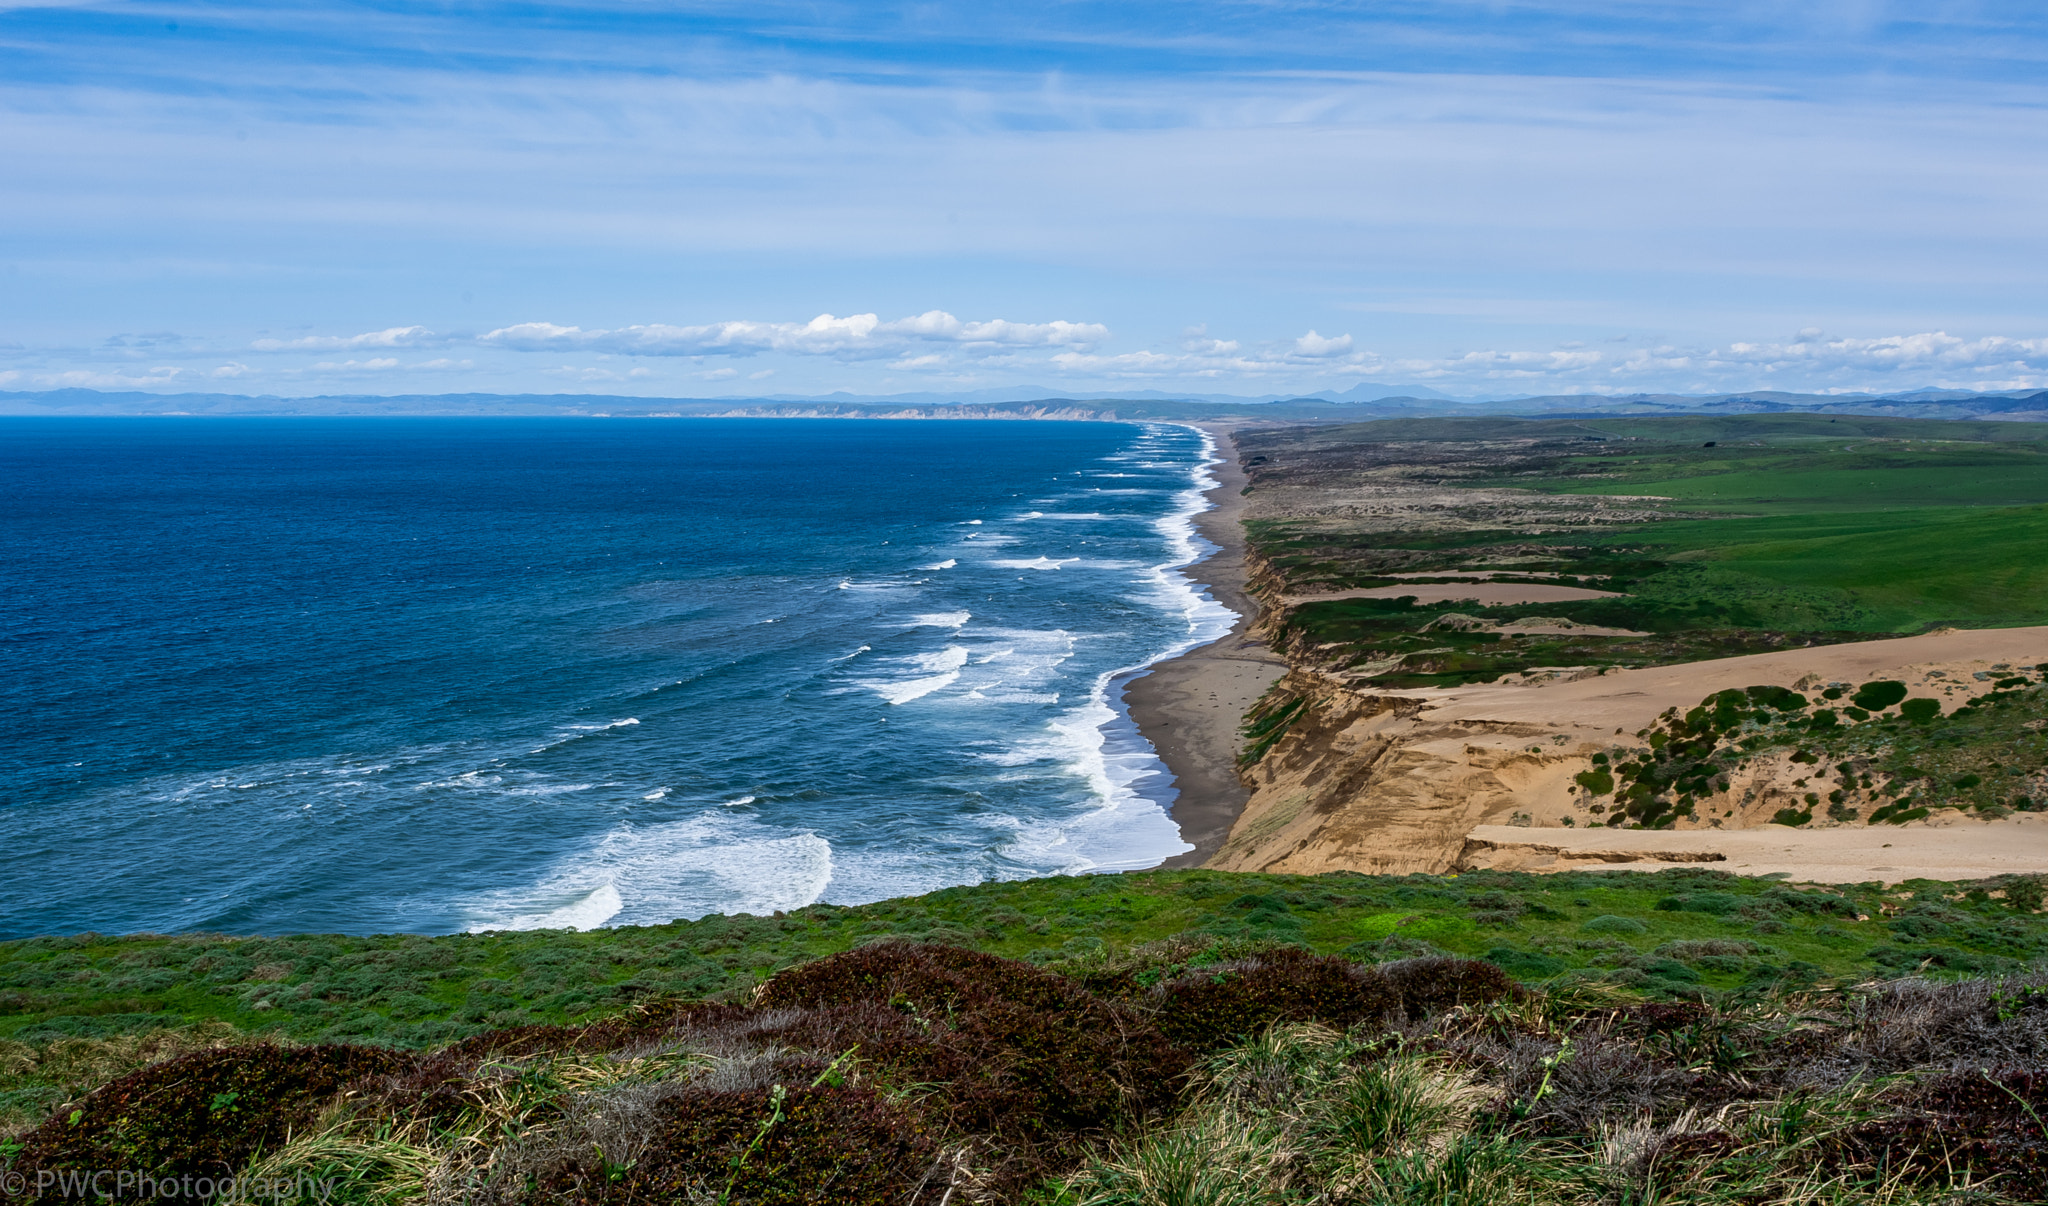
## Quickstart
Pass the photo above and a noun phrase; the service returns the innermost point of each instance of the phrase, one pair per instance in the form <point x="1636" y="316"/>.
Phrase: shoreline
<point x="1188" y="707"/>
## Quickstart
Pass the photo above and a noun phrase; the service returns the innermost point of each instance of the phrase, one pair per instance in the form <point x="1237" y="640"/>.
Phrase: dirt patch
<point x="1490" y="594"/>
<point x="1530" y="626"/>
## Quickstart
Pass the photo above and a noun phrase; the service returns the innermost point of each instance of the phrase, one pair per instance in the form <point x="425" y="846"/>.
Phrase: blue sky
<point x="1489" y="198"/>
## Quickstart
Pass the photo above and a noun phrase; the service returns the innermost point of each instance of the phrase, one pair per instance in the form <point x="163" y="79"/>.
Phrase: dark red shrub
<point x="1660" y="1017"/>
<point x="932" y="980"/>
<point x="513" y="1043"/>
<point x="1027" y="1057"/>
<point x="1967" y="1125"/>
<point x="1211" y="1007"/>
<point x="206" y="1113"/>
<point x="822" y="1147"/>
<point x="1441" y="981"/>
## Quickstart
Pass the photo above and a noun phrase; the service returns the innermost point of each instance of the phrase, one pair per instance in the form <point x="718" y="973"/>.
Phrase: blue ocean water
<point x="368" y="675"/>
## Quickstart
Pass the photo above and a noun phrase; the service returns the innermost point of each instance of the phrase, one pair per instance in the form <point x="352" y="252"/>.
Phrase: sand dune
<point x="1631" y="699"/>
<point x="1403" y="781"/>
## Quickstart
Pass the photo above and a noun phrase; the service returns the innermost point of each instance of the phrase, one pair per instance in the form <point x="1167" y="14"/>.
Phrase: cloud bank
<point x="936" y="350"/>
<point x="856" y="337"/>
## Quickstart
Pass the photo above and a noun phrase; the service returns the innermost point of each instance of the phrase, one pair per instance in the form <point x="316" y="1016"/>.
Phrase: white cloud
<point x="855" y="337"/>
<point x="390" y="337"/>
<point x="1808" y="362"/>
<point x="9" y="376"/>
<point x="858" y="350"/>
<point x="377" y="365"/>
<point x="1210" y="358"/>
<point x="93" y="379"/>
<point x="595" y="374"/>
<point x="1318" y="347"/>
<point x="1928" y="350"/>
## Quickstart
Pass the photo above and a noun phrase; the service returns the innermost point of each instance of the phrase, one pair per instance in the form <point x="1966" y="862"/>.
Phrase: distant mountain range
<point x="1360" y="402"/>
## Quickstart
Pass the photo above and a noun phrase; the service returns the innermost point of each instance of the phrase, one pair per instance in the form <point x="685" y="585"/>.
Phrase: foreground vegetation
<point x="1718" y="536"/>
<point x="1190" y="1072"/>
<point x="1183" y="1037"/>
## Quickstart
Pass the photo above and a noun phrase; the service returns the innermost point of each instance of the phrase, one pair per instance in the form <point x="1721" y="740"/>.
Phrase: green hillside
<point x="415" y="990"/>
<point x="1160" y="1039"/>
<point x="1730" y="535"/>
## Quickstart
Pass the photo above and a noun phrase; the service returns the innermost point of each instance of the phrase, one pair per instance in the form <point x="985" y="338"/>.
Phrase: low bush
<point x="1879" y="695"/>
<point x="203" y="1114"/>
<point x="1716" y="903"/>
<point x="1430" y="984"/>
<point x="811" y="1146"/>
<point x="1211" y="1007"/>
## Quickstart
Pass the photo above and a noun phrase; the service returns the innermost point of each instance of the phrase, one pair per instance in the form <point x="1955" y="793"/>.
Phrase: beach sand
<point x="1950" y="847"/>
<point x="1189" y="708"/>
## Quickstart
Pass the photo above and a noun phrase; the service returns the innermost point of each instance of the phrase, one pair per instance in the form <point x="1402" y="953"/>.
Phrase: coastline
<point x="1189" y="707"/>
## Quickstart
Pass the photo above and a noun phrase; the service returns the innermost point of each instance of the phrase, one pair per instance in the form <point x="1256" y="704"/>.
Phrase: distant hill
<point x="1351" y="406"/>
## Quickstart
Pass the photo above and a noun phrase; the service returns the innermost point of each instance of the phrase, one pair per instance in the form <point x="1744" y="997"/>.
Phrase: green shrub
<point x="1525" y="965"/>
<point x="2025" y="893"/>
<point x="1920" y="711"/>
<point x="1611" y="924"/>
<point x="1717" y="903"/>
<point x="1596" y="782"/>
<point x="1879" y="695"/>
<point x="1693" y="949"/>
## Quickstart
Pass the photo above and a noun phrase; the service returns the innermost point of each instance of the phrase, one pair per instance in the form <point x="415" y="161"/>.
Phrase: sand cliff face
<point x="1372" y="783"/>
<point x="1439" y="780"/>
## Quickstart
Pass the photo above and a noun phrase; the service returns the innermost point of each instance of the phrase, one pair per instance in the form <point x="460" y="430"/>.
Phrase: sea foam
<point x="636" y="875"/>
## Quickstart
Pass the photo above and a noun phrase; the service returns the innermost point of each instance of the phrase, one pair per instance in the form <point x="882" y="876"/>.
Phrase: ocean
<point x="370" y="675"/>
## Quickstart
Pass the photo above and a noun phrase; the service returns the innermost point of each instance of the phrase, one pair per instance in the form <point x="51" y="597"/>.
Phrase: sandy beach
<point x="1189" y="708"/>
<point x="1950" y="846"/>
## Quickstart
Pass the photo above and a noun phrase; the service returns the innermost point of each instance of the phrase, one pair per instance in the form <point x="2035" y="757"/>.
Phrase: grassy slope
<point x="416" y="990"/>
<point x="1789" y="529"/>
<point x="1678" y="429"/>
<point x="1880" y="519"/>
<point x="1905" y="569"/>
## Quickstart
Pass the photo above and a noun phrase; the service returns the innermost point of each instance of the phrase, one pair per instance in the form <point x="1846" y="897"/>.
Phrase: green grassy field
<point x="1779" y="530"/>
<point x="414" y="990"/>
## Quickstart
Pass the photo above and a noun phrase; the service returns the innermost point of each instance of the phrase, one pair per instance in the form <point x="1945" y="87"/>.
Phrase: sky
<point x="1486" y="197"/>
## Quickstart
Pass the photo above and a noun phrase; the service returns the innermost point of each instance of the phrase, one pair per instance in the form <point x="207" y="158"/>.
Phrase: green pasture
<point x="1669" y="429"/>
<point x="1781" y="529"/>
<point x="414" y="990"/>
<point x="1903" y="569"/>
<point x="1834" y="476"/>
